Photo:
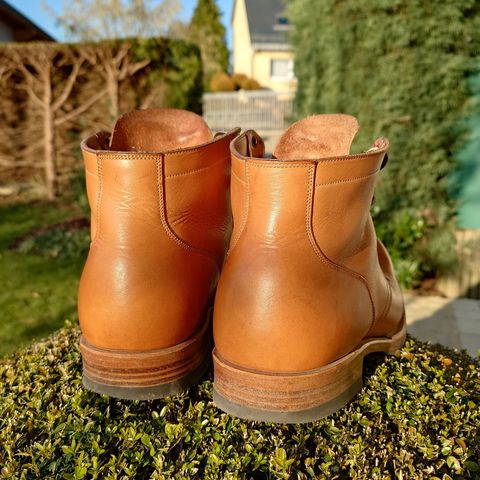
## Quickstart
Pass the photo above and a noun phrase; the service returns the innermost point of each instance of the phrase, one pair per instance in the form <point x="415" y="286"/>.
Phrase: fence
<point x="261" y="110"/>
<point x="465" y="282"/>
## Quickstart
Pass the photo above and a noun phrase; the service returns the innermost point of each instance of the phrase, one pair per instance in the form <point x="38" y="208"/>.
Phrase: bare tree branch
<point x="82" y="108"/>
<point x="68" y="85"/>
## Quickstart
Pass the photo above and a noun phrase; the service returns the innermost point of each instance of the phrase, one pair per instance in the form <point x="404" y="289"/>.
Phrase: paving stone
<point x="454" y="323"/>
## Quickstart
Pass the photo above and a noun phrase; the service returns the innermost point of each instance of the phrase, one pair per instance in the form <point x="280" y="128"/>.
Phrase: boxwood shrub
<point x="417" y="417"/>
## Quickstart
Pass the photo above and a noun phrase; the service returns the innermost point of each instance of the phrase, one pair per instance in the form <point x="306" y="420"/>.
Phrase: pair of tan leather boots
<point x="304" y="291"/>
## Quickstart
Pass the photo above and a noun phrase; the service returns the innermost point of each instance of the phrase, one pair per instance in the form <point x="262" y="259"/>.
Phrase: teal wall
<point x="468" y="176"/>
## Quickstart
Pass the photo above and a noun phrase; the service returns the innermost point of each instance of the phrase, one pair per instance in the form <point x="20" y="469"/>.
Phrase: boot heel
<point x="146" y="375"/>
<point x="297" y="397"/>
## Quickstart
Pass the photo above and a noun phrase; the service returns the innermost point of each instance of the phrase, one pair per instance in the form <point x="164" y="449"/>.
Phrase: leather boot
<point x="307" y="290"/>
<point x="158" y="191"/>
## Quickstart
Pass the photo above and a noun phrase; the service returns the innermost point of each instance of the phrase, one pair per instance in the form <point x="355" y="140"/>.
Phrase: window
<point x="281" y="23"/>
<point x="281" y="69"/>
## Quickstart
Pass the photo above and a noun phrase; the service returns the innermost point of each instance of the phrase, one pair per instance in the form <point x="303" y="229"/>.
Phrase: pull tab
<point x="103" y="140"/>
<point x="384" y="162"/>
<point x="255" y="145"/>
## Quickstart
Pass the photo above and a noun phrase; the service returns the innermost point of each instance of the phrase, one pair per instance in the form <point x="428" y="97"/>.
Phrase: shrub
<point x="239" y="79"/>
<point x="70" y="240"/>
<point x="402" y="68"/>
<point x="251" y="84"/>
<point x="222" y="82"/>
<point x="417" y="417"/>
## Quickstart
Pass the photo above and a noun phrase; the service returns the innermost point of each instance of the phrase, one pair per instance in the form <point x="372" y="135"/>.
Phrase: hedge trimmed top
<point x="53" y="94"/>
<point x="417" y="417"/>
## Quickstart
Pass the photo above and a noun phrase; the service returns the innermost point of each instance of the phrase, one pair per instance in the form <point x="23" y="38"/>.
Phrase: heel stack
<point x="296" y="397"/>
<point x="146" y="375"/>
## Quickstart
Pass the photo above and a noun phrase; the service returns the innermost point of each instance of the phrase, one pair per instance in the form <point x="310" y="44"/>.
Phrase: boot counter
<point x="144" y="286"/>
<point x="280" y="305"/>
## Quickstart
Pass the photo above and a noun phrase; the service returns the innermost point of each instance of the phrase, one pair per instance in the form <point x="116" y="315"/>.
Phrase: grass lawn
<point x="37" y="292"/>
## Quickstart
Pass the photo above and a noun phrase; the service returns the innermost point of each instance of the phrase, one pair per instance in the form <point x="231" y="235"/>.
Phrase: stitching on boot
<point x="163" y="218"/>
<point x="318" y="251"/>
<point x="197" y="170"/>
<point x="246" y="206"/>
<point x="98" y="210"/>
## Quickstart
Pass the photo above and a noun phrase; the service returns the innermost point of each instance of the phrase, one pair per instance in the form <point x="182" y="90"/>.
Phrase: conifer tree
<point x="207" y="31"/>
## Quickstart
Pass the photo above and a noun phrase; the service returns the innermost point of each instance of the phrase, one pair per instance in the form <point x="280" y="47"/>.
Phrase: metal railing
<point x="260" y="110"/>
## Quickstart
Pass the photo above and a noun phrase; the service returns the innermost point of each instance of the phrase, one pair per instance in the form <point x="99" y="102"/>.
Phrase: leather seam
<point x="276" y="165"/>
<point x="237" y="177"/>
<point x="197" y="170"/>
<point x="386" y="308"/>
<point x="166" y="226"/>
<point x="246" y="207"/>
<point x="98" y="209"/>
<point x="348" y="180"/>
<point x="318" y="251"/>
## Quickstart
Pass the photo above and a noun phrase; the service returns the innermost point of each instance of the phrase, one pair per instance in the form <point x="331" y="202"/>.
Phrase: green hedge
<point x="401" y="67"/>
<point x="417" y="417"/>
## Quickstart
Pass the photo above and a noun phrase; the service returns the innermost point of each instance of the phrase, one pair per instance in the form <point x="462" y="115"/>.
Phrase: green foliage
<point x="417" y="416"/>
<point x="207" y="31"/>
<point x="402" y="68"/>
<point x="222" y="82"/>
<point x="37" y="292"/>
<point x="176" y="63"/>
<point x="70" y="241"/>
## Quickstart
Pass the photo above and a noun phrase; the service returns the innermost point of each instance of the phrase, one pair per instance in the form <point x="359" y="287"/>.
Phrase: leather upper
<point x="160" y="226"/>
<point x="305" y="280"/>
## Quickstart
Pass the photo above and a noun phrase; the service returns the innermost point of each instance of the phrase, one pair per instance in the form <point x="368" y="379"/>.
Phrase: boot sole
<point x="146" y="375"/>
<point x="298" y="397"/>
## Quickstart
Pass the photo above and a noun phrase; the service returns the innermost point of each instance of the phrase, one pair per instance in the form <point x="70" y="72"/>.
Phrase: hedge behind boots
<point x="307" y="290"/>
<point x="158" y="190"/>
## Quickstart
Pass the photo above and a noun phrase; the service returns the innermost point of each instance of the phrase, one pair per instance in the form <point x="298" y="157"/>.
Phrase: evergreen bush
<point x="402" y="67"/>
<point x="417" y="417"/>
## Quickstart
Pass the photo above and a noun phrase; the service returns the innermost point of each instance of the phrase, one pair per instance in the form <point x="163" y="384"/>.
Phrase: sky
<point x="34" y="10"/>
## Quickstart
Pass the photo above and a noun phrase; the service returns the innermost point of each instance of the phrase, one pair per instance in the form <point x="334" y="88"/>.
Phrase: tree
<point x="207" y="31"/>
<point x="92" y="20"/>
<point x="48" y="96"/>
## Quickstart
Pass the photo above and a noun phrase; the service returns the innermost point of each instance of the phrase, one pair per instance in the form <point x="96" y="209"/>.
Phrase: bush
<point x="402" y="68"/>
<point x="251" y="84"/>
<point x="239" y="79"/>
<point x="69" y="240"/>
<point x="417" y="416"/>
<point x="222" y="82"/>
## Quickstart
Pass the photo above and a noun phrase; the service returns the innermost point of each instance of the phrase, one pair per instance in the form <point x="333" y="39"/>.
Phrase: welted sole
<point x="146" y="375"/>
<point x="298" y="397"/>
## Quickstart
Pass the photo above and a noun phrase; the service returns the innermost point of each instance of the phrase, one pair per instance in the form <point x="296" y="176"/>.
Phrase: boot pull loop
<point x="255" y="145"/>
<point x="384" y="162"/>
<point x="103" y="140"/>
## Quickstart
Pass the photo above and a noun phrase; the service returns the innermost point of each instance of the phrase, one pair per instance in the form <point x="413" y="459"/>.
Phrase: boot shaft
<point x="184" y="191"/>
<point x="305" y="278"/>
<point x="278" y="201"/>
<point x="160" y="225"/>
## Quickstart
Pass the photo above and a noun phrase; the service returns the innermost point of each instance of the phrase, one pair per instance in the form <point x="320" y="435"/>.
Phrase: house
<point x="15" y="27"/>
<point x="260" y="43"/>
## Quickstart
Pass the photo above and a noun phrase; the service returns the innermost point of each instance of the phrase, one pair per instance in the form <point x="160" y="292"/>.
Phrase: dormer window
<point x="281" y="23"/>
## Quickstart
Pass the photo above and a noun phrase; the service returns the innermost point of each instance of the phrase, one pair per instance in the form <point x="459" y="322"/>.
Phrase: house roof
<point x="267" y="23"/>
<point x="23" y="29"/>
